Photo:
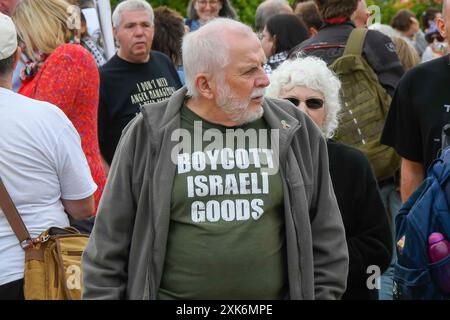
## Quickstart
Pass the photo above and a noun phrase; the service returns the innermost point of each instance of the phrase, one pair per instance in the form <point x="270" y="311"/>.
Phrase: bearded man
<point x="219" y="193"/>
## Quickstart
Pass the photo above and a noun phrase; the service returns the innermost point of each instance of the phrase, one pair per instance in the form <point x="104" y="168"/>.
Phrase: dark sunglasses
<point x="434" y="36"/>
<point x="311" y="103"/>
<point x="438" y="37"/>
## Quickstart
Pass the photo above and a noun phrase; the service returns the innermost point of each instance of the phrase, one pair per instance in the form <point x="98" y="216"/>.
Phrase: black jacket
<point x="367" y="230"/>
<point x="378" y="50"/>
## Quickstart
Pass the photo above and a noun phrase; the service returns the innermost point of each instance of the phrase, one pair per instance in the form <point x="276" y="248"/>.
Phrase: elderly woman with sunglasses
<point x="312" y="87"/>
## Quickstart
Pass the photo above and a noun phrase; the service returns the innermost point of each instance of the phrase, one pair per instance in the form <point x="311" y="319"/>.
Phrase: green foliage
<point x="390" y="7"/>
<point x="245" y="8"/>
<point x="179" y="5"/>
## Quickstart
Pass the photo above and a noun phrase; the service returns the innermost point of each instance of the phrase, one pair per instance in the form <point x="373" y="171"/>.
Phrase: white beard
<point x="238" y="110"/>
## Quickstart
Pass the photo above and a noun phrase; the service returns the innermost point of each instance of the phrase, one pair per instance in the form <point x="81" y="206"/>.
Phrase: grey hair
<point x="206" y="50"/>
<point x="131" y="5"/>
<point x="313" y="73"/>
<point x="268" y="9"/>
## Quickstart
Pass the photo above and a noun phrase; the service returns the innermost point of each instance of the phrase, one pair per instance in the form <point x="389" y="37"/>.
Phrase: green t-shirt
<point x="226" y="236"/>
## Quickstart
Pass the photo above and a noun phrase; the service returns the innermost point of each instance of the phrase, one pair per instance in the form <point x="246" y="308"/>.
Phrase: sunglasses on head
<point x="311" y="103"/>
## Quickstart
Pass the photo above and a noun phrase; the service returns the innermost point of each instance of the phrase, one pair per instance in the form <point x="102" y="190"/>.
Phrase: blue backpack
<point x="425" y="212"/>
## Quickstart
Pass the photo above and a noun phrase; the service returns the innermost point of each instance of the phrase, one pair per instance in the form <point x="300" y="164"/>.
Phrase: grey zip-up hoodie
<point x="124" y="258"/>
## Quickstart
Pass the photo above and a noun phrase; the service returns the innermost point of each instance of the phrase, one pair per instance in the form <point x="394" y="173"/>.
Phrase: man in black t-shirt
<point x="135" y="76"/>
<point x="419" y="110"/>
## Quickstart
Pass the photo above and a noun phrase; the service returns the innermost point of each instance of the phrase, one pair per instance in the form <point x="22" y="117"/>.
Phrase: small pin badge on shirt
<point x="285" y="124"/>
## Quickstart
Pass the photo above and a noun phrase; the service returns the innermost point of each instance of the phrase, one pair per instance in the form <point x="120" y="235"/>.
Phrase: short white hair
<point x="206" y="50"/>
<point x="313" y="73"/>
<point x="131" y="5"/>
<point x="385" y="29"/>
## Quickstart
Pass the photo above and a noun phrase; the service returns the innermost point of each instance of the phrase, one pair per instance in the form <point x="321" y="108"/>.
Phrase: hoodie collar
<point x="279" y="119"/>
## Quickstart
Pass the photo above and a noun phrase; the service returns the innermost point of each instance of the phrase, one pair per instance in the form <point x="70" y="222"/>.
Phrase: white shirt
<point x="41" y="162"/>
<point x="427" y="55"/>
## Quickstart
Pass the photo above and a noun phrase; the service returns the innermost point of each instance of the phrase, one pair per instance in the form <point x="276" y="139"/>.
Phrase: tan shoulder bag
<point x="52" y="260"/>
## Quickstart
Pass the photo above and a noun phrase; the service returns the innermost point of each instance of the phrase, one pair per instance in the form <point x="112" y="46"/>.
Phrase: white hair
<point x="131" y="5"/>
<point x="237" y="108"/>
<point x="385" y="29"/>
<point x="206" y="50"/>
<point x="313" y="73"/>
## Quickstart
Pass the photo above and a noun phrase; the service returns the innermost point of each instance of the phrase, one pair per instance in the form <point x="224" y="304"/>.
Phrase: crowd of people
<point x="206" y="158"/>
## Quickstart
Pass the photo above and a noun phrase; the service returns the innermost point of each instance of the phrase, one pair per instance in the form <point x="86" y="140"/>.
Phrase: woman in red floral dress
<point x="61" y="73"/>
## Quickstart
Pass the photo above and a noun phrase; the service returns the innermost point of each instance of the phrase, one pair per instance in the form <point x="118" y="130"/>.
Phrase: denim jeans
<point x="392" y="202"/>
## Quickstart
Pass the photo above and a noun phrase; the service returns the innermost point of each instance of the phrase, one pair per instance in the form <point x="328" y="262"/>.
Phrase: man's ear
<point x="441" y="27"/>
<point x="202" y="82"/>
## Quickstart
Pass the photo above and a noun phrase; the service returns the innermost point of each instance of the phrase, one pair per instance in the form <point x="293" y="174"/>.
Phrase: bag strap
<point x="12" y="215"/>
<point x="355" y="42"/>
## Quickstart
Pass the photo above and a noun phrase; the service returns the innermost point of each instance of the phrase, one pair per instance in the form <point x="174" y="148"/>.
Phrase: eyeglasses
<point x="311" y="103"/>
<point x="212" y="3"/>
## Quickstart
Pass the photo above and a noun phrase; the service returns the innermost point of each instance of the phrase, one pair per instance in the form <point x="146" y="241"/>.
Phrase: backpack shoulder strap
<point x="12" y="215"/>
<point x="355" y="42"/>
<point x="440" y="169"/>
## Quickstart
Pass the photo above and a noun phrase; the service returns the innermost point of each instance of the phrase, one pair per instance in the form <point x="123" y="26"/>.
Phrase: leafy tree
<point x="245" y="8"/>
<point x="179" y="5"/>
<point x="389" y="8"/>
